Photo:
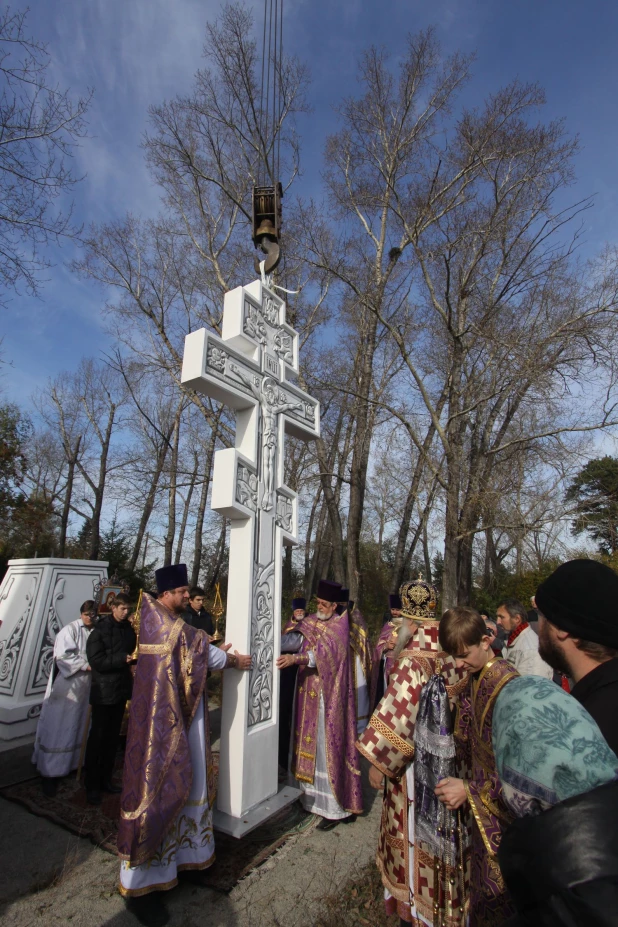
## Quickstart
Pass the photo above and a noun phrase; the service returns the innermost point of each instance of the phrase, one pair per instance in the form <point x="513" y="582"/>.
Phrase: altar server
<point x="60" y="731"/>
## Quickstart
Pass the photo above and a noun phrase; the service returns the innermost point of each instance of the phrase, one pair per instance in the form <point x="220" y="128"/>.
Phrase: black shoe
<point x="93" y="797"/>
<point x="349" y="820"/>
<point x="112" y="789"/>
<point x="49" y="786"/>
<point x="150" y="910"/>
<point x="328" y="824"/>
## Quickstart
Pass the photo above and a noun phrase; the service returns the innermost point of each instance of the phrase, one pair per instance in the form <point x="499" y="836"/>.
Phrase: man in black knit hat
<point x="578" y="636"/>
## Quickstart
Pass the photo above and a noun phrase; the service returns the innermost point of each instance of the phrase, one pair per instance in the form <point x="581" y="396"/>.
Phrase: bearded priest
<point x="418" y="886"/>
<point x="324" y="760"/>
<point x="168" y="785"/>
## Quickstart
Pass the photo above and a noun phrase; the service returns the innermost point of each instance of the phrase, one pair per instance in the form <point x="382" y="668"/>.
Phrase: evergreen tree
<point x="595" y="493"/>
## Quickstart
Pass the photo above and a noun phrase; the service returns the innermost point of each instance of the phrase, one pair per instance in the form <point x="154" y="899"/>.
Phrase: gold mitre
<point x="418" y="599"/>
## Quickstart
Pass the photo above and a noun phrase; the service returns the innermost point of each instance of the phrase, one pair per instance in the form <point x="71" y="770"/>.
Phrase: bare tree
<point x="40" y="125"/>
<point x="85" y="408"/>
<point x="382" y="191"/>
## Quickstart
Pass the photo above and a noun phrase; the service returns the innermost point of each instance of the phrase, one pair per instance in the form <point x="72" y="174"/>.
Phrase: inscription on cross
<point x="248" y="370"/>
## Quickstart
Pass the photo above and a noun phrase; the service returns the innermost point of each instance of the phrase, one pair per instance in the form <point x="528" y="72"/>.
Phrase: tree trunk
<point x="66" y="509"/>
<point x="150" y="501"/>
<point x="400" y="559"/>
<point x="171" y="504"/>
<point x="333" y="512"/>
<point x="308" y="537"/>
<point x="426" y="555"/>
<point x="201" y="509"/>
<point x="287" y="572"/>
<point x="217" y="561"/>
<point x="316" y="559"/>
<point x="487" y="559"/>
<point x="464" y="577"/>
<point x="364" y="418"/>
<point x="95" y="521"/>
<point x="185" y="512"/>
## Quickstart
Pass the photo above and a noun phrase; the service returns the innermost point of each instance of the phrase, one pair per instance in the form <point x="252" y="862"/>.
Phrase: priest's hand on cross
<point x="242" y="661"/>
<point x="286" y="659"/>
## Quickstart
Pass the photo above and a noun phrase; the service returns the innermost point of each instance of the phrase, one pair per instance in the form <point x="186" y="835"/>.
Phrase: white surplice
<point x="190" y="844"/>
<point x="362" y="696"/>
<point x="61" y="728"/>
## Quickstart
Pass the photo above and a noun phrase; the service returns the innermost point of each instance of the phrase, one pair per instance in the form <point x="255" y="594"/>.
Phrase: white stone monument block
<point x="37" y="598"/>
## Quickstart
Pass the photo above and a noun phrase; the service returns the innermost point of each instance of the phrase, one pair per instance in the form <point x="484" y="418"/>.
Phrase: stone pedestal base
<point x="37" y="599"/>
<point x="239" y="827"/>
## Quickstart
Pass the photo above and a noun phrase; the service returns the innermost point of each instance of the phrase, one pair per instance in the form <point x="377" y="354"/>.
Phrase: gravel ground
<point x="49" y="876"/>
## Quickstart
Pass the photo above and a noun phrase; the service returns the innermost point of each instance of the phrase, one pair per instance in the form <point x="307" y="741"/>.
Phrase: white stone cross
<point x="248" y="370"/>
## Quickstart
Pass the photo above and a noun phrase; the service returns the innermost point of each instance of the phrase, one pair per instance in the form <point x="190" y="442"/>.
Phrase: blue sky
<point x="134" y="53"/>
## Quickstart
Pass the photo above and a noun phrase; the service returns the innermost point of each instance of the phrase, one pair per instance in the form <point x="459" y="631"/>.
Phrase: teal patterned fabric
<point x="547" y="746"/>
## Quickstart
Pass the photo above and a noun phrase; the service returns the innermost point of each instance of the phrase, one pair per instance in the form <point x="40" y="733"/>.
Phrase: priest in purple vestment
<point x="168" y="784"/>
<point x="324" y="760"/>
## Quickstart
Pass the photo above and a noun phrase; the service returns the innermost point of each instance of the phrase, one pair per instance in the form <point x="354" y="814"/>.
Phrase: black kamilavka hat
<point x="328" y="591"/>
<point x="171" y="577"/>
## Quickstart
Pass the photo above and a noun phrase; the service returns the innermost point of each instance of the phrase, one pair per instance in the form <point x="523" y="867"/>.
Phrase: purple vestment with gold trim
<point x="170" y="680"/>
<point x="333" y="679"/>
<point x="490" y="903"/>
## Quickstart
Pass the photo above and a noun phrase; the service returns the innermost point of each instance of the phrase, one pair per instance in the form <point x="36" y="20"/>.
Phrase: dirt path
<point x="50" y="877"/>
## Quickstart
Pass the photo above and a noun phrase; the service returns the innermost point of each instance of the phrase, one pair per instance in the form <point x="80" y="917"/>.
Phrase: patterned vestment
<point x="406" y="867"/>
<point x="324" y="760"/>
<point x="490" y="904"/>
<point x="168" y="782"/>
<point x="362" y="667"/>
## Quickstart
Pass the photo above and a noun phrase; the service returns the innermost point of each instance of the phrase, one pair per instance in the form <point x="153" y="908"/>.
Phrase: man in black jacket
<point x="578" y="636"/>
<point x="561" y="866"/>
<point x="195" y="614"/>
<point x="109" y="650"/>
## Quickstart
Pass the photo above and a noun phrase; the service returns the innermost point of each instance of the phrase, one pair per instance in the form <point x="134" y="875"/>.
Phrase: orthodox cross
<point x="248" y="369"/>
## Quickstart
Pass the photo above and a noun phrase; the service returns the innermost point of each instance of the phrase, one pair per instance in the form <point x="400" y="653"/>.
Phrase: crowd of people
<point x="493" y="743"/>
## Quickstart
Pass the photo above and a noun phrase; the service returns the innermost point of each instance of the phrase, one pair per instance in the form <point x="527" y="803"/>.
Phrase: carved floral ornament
<point x="216" y="358"/>
<point x="254" y="324"/>
<point x="261" y="681"/>
<point x="10" y="648"/>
